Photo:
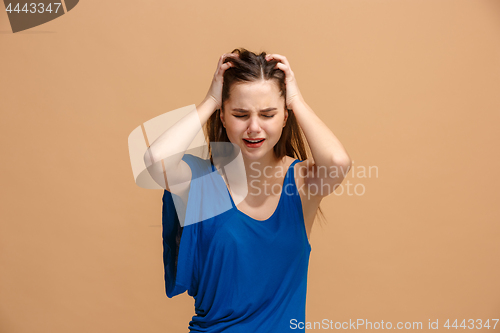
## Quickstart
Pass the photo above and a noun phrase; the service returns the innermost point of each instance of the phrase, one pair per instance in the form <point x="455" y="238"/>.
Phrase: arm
<point x="166" y="152"/>
<point x="330" y="162"/>
<point x="329" y="155"/>
<point x="325" y="147"/>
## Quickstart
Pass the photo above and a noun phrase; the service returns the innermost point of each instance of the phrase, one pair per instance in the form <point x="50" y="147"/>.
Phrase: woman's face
<point x="255" y="110"/>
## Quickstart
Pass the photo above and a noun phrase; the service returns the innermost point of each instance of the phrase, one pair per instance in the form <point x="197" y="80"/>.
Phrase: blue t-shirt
<point x="245" y="275"/>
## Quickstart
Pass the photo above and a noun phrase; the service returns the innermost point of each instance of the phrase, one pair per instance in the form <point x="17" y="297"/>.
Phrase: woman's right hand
<point x="215" y="90"/>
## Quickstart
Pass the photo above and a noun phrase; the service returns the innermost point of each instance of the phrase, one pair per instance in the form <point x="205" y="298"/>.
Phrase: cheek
<point x="233" y="130"/>
<point x="275" y="128"/>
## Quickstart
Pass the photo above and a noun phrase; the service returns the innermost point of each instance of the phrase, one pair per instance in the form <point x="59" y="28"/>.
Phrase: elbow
<point x="348" y="163"/>
<point x="149" y="158"/>
<point x="343" y="162"/>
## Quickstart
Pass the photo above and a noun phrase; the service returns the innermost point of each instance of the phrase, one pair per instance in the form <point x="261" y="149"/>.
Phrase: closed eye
<point x="262" y="116"/>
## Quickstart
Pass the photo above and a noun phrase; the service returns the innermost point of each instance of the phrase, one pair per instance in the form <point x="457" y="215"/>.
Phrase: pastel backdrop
<point x="409" y="87"/>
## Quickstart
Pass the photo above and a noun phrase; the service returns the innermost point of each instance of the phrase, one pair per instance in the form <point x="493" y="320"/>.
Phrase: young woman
<point x="247" y="266"/>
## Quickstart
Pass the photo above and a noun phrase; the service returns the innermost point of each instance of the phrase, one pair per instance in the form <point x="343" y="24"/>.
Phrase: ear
<point x="222" y="118"/>
<point x="286" y="117"/>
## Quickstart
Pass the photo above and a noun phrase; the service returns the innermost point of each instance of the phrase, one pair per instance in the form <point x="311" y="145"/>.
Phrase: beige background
<point x="410" y="87"/>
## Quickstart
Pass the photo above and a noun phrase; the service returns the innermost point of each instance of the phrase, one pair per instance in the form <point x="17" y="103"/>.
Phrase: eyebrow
<point x="264" y="110"/>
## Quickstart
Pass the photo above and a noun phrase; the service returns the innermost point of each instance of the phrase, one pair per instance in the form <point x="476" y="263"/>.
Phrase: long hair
<point x="250" y="67"/>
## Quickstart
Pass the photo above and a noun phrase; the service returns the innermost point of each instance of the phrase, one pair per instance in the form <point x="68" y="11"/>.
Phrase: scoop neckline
<point x="277" y="207"/>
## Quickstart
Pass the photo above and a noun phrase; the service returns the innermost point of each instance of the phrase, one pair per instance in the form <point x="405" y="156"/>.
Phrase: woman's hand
<point x="293" y="95"/>
<point x="215" y="90"/>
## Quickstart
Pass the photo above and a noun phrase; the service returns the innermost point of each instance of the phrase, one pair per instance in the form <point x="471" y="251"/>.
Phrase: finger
<point x="270" y="57"/>
<point x="223" y="57"/>
<point x="222" y="68"/>
<point x="229" y="55"/>
<point x="284" y="68"/>
<point x="221" y="61"/>
<point x="235" y="55"/>
<point x="226" y="66"/>
<point x="278" y="57"/>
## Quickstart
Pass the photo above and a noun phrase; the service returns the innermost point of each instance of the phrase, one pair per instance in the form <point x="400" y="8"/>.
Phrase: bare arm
<point x="164" y="155"/>
<point x="330" y="162"/>
<point x="177" y="138"/>
<point x="325" y="147"/>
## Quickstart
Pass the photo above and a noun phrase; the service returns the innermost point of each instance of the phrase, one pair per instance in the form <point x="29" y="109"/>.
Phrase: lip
<point x="253" y="145"/>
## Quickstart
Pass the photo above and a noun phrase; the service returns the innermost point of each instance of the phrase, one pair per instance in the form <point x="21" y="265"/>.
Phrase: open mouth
<point x="253" y="141"/>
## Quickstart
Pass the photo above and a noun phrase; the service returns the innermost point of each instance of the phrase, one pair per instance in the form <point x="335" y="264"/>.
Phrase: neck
<point x="259" y="168"/>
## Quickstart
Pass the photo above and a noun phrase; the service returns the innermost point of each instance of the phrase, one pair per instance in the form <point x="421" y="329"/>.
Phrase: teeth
<point x="253" y="141"/>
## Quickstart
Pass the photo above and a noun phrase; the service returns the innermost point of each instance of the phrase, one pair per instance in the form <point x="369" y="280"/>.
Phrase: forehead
<point x="255" y="94"/>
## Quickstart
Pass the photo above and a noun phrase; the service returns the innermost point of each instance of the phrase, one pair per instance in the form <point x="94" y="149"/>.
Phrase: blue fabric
<point x="245" y="275"/>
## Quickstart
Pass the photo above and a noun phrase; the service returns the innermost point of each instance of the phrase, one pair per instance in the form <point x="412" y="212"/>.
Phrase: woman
<point x="246" y="267"/>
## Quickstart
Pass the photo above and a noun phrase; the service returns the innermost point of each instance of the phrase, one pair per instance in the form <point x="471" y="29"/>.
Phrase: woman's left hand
<point x="293" y="95"/>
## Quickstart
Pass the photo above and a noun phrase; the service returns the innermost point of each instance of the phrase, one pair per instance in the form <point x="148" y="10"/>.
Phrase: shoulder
<point x="303" y="171"/>
<point x="199" y="166"/>
<point x="310" y="203"/>
<point x="316" y="181"/>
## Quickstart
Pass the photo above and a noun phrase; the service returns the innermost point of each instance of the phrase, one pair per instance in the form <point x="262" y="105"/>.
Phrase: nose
<point x="254" y="125"/>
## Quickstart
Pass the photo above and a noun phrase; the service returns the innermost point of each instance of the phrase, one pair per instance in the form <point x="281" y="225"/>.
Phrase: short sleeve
<point x="207" y="198"/>
<point x="172" y="232"/>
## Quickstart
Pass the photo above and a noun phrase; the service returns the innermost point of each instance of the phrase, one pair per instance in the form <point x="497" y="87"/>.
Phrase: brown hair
<point x="250" y="67"/>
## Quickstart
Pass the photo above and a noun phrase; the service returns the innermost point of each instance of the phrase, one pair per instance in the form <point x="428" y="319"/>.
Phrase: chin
<point x="255" y="155"/>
